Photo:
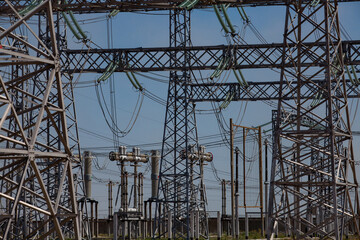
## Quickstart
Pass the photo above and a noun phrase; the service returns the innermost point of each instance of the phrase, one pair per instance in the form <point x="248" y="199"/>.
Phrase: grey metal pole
<point x="115" y="226"/>
<point x="122" y="183"/>
<point x="155" y="156"/>
<point x="169" y="225"/>
<point x="223" y="195"/>
<point x="96" y="220"/>
<point x="150" y="219"/>
<point x="192" y="225"/>
<point x="135" y="205"/>
<point x="46" y="227"/>
<point x="141" y="193"/>
<point x="266" y="187"/>
<point x="261" y="183"/>
<point x="125" y="192"/>
<point x="146" y="219"/>
<point x="87" y="173"/>
<point x="160" y="226"/>
<point x="237" y="216"/>
<point x="80" y="223"/>
<point x="246" y="226"/>
<point x="232" y="179"/>
<point x="110" y="185"/>
<point x="237" y="151"/>
<point x="92" y="218"/>
<point x="197" y="225"/>
<point x="218" y="225"/>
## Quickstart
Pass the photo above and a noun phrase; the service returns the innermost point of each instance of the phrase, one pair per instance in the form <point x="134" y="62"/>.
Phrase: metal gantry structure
<point x="178" y="177"/>
<point x="313" y="172"/>
<point x="251" y="56"/>
<point x="37" y="182"/>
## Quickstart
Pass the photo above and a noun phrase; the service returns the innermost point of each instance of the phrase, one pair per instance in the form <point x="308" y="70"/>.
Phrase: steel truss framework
<point x="186" y="122"/>
<point x="313" y="172"/>
<point x="36" y="176"/>
<point x="200" y="57"/>
<point x="88" y="6"/>
<point x="180" y="177"/>
<point x="259" y="91"/>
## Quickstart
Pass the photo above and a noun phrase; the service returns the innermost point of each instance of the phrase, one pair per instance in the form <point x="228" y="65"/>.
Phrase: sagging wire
<point x="110" y="42"/>
<point x="238" y="39"/>
<point x="112" y="124"/>
<point x="154" y="97"/>
<point x="132" y="78"/>
<point x="153" y="78"/>
<point x="228" y="28"/>
<point x="222" y="125"/>
<point x="96" y="163"/>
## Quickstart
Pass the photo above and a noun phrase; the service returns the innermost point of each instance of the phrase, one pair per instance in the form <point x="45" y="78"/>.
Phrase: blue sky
<point x="148" y="30"/>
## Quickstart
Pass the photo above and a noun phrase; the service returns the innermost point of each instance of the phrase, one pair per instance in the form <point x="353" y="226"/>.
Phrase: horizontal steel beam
<point x="257" y="91"/>
<point x="88" y="6"/>
<point x="201" y="57"/>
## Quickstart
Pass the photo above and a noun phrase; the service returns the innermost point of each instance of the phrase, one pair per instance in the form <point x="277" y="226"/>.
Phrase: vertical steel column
<point x="37" y="149"/>
<point x="178" y="182"/>
<point x="154" y="173"/>
<point x="266" y="187"/>
<point x="237" y="229"/>
<point x="314" y="126"/>
<point x="232" y="182"/>
<point x="110" y="199"/>
<point x="223" y="197"/>
<point x="87" y="173"/>
<point x="261" y="182"/>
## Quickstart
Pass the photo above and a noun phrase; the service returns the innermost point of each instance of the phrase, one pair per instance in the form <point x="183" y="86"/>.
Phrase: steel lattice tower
<point x="313" y="178"/>
<point x="180" y="176"/>
<point x="38" y="191"/>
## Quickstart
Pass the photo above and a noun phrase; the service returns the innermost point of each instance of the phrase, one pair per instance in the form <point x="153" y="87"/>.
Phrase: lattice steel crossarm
<point x="256" y="91"/>
<point x="87" y="6"/>
<point x="200" y="57"/>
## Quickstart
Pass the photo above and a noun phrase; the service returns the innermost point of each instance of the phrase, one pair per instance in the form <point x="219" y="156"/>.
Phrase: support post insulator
<point x="155" y="156"/>
<point x="197" y="155"/>
<point x="123" y="156"/>
<point x="88" y="173"/>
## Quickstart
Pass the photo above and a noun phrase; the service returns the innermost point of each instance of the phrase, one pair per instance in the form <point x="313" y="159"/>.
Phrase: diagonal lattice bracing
<point x="313" y="184"/>
<point x="179" y="179"/>
<point x="37" y="196"/>
<point x="200" y="57"/>
<point x="89" y="6"/>
<point x="259" y="91"/>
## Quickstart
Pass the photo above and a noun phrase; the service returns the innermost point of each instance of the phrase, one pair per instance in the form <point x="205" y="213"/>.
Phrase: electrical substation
<point x="253" y="134"/>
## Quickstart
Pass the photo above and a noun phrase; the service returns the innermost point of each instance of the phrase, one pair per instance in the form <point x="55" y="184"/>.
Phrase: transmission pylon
<point x="180" y="182"/>
<point x="38" y="191"/>
<point x="313" y="179"/>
